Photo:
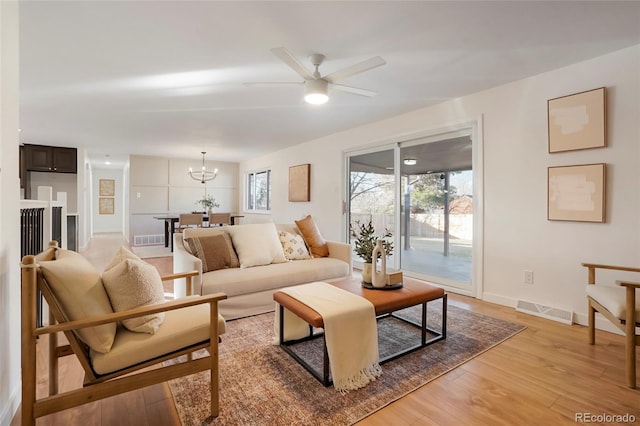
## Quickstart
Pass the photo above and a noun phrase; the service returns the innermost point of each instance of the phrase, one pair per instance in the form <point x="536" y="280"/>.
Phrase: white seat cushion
<point x="235" y="282"/>
<point x="181" y="328"/>
<point x="613" y="298"/>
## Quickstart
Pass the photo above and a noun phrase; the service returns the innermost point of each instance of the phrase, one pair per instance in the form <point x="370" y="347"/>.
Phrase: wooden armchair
<point x="189" y="324"/>
<point x="620" y="304"/>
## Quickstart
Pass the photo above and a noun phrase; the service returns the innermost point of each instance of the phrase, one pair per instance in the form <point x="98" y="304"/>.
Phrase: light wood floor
<point x="544" y="375"/>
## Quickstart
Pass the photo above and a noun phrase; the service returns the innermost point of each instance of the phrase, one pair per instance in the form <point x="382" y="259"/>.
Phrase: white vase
<point x="379" y="277"/>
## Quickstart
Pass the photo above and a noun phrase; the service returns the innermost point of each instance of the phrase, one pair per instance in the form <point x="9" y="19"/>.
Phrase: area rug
<point x="147" y="252"/>
<point x="260" y="384"/>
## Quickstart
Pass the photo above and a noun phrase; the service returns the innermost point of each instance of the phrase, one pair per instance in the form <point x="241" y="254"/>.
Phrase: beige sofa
<point x="250" y="289"/>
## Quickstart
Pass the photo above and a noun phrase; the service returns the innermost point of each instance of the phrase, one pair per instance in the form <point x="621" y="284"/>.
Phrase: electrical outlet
<point x="528" y="277"/>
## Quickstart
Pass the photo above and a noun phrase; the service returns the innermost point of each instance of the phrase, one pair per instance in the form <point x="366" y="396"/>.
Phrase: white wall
<point x="107" y="222"/>
<point x="517" y="235"/>
<point x="159" y="186"/>
<point x="60" y="182"/>
<point x="9" y="215"/>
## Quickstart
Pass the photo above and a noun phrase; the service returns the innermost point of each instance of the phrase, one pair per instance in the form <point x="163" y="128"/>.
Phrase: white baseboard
<point x="499" y="300"/>
<point x="10" y="409"/>
<point x="601" y="323"/>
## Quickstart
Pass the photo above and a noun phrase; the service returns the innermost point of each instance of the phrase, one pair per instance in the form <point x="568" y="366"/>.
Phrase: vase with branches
<point x="365" y="242"/>
<point x="208" y="203"/>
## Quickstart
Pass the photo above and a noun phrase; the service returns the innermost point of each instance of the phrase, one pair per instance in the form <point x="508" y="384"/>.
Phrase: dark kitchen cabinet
<point x="41" y="158"/>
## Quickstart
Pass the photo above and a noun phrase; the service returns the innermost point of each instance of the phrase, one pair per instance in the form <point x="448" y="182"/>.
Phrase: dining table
<point x="170" y="221"/>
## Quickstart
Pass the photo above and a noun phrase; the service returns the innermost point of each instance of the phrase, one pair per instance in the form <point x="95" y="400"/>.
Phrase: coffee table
<point x="385" y="302"/>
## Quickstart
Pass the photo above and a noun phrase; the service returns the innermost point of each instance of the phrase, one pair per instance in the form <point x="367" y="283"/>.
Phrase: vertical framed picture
<point x="576" y="193"/>
<point x="300" y="183"/>
<point x="577" y="121"/>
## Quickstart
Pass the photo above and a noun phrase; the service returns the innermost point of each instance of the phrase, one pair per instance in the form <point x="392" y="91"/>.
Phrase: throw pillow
<point x="256" y="244"/>
<point x="215" y="251"/>
<point x="131" y="284"/>
<point x="293" y="246"/>
<point x="122" y="254"/>
<point x="77" y="286"/>
<point x="313" y="238"/>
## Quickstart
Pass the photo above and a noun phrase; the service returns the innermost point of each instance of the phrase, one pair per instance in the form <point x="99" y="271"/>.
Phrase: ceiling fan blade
<point x="355" y="69"/>
<point x="354" y="90"/>
<point x="291" y="60"/>
<point x="270" y="83"/>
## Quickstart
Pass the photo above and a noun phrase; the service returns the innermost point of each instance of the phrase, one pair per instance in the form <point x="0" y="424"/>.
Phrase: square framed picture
<point x="107" y="187"/>
<point x="576" y="193"/>
<point x="105" y="205"/>
<point x="577" y="121"/>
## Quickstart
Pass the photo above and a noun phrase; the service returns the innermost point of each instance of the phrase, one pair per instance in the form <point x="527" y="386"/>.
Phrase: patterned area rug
<point x="260" y="384"/>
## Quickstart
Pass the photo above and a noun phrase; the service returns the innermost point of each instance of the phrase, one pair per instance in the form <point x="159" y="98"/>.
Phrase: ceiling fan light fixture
<point x="315" y="92"/>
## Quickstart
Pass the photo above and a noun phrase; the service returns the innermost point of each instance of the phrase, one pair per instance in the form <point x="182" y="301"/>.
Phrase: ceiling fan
<point x="316" y="85"/>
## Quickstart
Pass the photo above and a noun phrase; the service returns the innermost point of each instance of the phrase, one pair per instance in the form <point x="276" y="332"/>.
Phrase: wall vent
<point x="548" y="312"/>
<point x="148" y="240"/>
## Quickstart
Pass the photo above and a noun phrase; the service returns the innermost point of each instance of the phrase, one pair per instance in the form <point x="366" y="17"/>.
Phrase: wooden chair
<point x="219" y="219"/>
<point x="620" y="304"/>
<point x="147" y="351"/>
<point x="188" y="220"/>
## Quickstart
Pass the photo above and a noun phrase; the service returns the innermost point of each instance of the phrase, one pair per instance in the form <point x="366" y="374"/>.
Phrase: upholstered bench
<point x="385" y="302"/>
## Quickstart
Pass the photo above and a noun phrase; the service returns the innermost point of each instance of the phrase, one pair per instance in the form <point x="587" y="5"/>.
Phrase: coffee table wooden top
<point x="412" y="293"/>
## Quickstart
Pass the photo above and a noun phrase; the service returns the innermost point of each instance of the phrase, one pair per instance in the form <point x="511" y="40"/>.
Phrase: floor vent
<point x="548" y="312"/>
<point x="148" y="240"/>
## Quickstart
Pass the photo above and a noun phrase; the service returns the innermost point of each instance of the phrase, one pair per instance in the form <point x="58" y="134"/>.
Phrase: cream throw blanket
<point x="350" y="329"/>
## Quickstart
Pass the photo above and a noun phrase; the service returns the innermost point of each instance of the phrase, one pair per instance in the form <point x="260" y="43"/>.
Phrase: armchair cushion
<point x="77" y="286"/>
<point x="613" y="298"/>
<point x="181" y="328"/>
<point x="215" y="251"/>
<point x="122" y="254"/>
<point x="134" y="283"/>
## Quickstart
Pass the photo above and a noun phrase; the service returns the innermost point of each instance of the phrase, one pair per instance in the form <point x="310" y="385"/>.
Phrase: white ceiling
<point x="165" y="78"/>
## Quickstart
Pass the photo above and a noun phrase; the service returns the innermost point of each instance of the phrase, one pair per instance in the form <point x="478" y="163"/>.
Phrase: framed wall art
<point x="577" y="121"/>
<point x="105" y="205"/>
<point x="107" y="187"/>
<point x="576" y="193"/>
<point x="300" y="183"/>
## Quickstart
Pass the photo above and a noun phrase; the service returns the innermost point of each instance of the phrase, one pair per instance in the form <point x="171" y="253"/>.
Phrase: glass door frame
<point x="472" y="128"/>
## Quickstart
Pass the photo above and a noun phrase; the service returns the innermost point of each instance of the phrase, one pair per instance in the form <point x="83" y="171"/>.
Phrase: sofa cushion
<point x="131" y="284"/>
<point x="293" y="246"/>
<point x="236" y="282"/>
<point x="181" y="327"/>
<point x="215" y="251"/>
<point x="122" y="254"/>
<point x="313" y="238"/>
<point x="256" y="244"/>
<point x="199" y="232"/>
<point x="78" y="288"/>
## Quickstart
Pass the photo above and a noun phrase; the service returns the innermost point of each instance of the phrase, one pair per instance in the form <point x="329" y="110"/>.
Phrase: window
<point x="259" y="190"/>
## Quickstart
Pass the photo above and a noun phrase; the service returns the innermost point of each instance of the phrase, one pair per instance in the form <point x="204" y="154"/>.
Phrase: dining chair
<point x="219" y="219"/>
<point x="189" y="220"/>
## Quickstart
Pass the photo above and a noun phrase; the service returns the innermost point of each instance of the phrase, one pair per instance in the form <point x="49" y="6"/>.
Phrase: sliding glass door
<point x="422" y="191"/>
